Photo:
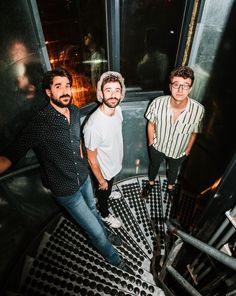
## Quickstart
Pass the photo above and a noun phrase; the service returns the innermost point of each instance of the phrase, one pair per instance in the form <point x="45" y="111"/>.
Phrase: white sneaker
<point x="111" y="221"/>
<point x="115" y="195"/>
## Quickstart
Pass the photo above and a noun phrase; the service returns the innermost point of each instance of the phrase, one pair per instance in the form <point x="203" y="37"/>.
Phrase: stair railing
<point x="203" y="247"/>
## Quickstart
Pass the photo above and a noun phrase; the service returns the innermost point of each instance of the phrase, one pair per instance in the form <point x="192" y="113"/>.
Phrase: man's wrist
<point x="102" y="182"/>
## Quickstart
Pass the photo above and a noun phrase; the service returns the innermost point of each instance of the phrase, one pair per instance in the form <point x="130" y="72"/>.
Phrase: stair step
<point x="60" y="253"/>
<point x="44" y="278"/>
<point x="68" y="232"/>
<point x="66" y="263"/>
<point x="159" y="209"/>
<point x="134" y="216"/>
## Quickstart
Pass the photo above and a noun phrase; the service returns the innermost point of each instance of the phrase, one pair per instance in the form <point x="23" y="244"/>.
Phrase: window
<point x="20" y="69"/>
<point x="150" y="32"/>
<point x="75" y="34"/>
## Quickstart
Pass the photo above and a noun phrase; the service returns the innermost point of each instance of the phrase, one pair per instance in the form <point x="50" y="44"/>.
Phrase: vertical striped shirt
<point x="172" y="138"/>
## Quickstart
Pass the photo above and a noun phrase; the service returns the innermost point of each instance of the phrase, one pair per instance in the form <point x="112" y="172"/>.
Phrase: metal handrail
<point x="211" y="251"/>
<point x="19" y="171"/>
<point x="205" y="248"/>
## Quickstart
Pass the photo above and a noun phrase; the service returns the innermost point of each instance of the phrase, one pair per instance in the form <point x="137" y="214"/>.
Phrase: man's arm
<point x="93" y="162"/>
<point x="81" y="151"/>
<point x="150" y="132"/>
<point x="190" y="143"/>
<point x="5" y="163"/>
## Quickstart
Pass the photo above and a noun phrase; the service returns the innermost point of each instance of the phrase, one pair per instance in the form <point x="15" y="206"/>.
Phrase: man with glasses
<point x="104" y="141"/>
<point x="173" y="124"/>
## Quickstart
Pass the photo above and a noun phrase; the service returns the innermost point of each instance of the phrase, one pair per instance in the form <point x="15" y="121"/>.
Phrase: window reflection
<point x="150" y="43"/>
<point x="75" y="38"/>
<point x="20" y="70"/>
<point x="95" y="55"/>
<point x="152" y="69"/>
<point x="21" y="88"/>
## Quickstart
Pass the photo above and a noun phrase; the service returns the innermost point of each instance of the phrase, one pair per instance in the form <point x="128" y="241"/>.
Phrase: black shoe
<point x="115" y="239"/>
<point x="171" y="193"/>
<point x="146" y="190"/>
<point x="123" y="266"/>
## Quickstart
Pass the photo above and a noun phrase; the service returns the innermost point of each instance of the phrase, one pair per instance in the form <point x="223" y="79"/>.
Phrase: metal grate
<point x="66" y="263"/>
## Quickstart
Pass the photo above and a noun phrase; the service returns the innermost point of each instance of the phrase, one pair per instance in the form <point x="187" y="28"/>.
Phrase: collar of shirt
<point x="187" y="108"/>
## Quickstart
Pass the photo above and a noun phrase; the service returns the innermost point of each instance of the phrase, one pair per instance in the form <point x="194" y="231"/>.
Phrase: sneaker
<point x="146" y="190"/>
<point x="111" y="221"/>
<point x="115" y="239"/>
<point x="123" y="266"/>
<point x="115" y="195"/>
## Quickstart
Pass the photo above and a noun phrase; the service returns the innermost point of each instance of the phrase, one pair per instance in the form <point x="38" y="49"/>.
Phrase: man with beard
<point x="104" y="141"/>
<point x="54" y="135"/>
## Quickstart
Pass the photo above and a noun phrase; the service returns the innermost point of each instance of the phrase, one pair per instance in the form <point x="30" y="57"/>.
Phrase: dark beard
<point x="61" y="104"/>
<point x="106" y="102"/>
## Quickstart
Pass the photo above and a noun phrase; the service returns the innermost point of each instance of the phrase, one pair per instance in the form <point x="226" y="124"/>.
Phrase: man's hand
<point x="103" y="185"/>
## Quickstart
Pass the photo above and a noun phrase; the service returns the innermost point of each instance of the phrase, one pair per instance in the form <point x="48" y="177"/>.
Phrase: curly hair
<point x="49" y="75"/>
<point x="182" y="71"/>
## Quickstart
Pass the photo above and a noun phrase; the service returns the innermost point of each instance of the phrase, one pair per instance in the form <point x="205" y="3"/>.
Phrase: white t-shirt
<point x="104" y="133"/>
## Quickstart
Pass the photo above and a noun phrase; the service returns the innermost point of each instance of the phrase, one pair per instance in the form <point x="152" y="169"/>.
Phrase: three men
<point x="54" y="135"/>
<point x="104" y="141"/>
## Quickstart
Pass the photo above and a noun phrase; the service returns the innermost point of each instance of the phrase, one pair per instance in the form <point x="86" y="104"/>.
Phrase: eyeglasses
<point x="177" y="85"/>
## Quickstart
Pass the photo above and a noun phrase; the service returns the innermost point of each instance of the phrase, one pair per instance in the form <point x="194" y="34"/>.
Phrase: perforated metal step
<point x="66" y="263"/>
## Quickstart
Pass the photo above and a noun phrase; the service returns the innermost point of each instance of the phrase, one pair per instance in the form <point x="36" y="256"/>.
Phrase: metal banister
<point x="214" y="253"/>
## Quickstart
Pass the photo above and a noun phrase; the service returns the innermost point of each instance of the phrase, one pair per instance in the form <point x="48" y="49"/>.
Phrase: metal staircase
<point x="66" y="263"/>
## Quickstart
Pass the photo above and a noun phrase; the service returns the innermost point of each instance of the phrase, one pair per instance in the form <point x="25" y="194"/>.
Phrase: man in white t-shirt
<point x="104" y="141"/>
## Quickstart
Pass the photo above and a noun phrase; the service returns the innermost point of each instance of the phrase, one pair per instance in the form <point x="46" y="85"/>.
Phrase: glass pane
<point x="209" y="30"/>
<point x="75" y="35"/>
<point x="20" y="69"/>
<point x="150" y="33"/>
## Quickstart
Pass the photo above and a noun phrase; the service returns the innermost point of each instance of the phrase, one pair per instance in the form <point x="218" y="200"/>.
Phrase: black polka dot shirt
<point x="56" y="144"/>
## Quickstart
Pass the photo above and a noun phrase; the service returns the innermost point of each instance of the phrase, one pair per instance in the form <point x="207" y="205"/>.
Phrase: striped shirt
<point x="172" y="138"/>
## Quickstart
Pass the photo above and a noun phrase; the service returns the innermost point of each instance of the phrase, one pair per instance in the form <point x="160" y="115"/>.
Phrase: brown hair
<point x="49" y="75"/>
<point x="111" y="78"/>
<point x="182" y="71"/>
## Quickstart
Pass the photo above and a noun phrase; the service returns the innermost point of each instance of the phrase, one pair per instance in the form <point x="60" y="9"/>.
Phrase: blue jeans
<point x="81" y="206"/>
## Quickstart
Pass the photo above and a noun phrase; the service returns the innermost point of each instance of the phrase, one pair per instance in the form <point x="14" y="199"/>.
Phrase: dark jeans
<point x="81" y="207"/>
<point x="156" y="159"/>
<point x="103" y="196"/>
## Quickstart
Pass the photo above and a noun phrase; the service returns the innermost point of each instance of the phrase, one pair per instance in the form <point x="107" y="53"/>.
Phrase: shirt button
<point x="75" y="162"/>
<point x="72" y="141"/>
<point x="73" y="152"/>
